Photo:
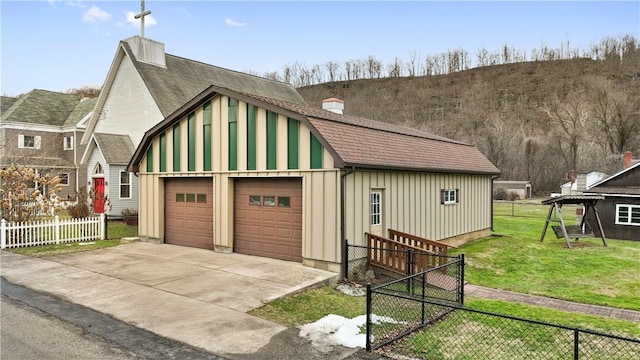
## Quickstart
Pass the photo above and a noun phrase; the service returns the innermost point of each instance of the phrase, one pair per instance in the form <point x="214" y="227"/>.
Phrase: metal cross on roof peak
<point x="141" y="16"/>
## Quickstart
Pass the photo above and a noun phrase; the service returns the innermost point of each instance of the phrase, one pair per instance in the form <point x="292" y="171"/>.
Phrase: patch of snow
<point x="87" y="243"/>
<point x="333" y="330"/>
<point x="350" y="290"/>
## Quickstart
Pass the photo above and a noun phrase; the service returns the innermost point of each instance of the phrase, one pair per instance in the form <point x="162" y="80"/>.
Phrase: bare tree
<point x="570" y="117"/>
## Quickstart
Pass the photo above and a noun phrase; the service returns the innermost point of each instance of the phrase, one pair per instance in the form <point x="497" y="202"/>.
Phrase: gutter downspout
<point x="343" y="216"/>
<point x="491" y="199"/>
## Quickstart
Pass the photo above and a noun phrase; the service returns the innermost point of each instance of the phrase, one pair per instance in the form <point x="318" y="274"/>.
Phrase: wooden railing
<point x="417" y="242"/>
<point x="404" y="253"/>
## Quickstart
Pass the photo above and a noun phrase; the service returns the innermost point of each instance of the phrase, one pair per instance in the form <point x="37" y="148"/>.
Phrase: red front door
<point x="98" y="195"/>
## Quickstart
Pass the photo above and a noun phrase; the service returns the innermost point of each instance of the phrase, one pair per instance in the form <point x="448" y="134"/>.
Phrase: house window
<point x="64" y="179"/>
<point x="29" y="142"/>
<point x="68" y="143"/>
<point x="98" y="169"/>
<point x="449" y="196"/>
<point x="125" y="185"/>
<point x="376" y="201"/>
<point x="627" y="214"/>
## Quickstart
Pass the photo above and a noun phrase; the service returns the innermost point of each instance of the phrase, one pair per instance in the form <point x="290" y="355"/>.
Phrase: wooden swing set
<point x="573" y="231"/>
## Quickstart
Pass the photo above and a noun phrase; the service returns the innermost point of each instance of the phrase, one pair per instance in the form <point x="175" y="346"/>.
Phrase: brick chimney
<point x="627" y="159"/>
<point x="333" y="105"/>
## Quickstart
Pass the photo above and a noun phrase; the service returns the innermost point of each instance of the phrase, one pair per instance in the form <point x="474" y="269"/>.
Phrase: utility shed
<point x="572" y="231"/>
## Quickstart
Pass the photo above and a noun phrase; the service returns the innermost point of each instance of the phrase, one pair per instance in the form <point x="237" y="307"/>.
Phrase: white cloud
<point x="133" y="22"/>
<point x="231" y="22"/>
<point x="95" y="14"/>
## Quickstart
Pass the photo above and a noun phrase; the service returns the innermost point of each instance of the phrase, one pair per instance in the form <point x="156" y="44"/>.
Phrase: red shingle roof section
<point x="360" y="146"/>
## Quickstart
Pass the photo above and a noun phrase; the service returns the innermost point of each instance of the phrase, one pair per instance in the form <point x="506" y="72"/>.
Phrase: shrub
<point x="500" y="194"/>
<point x="130" y="216"/>
<point x="83" y="207"/>
<point x="513" y="196"/>
<point x="25" y="194"/>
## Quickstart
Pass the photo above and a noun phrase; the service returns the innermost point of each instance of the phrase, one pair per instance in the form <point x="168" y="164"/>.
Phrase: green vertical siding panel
<point x="251" y="136"/>
<point x="176" y="147"/>
<point x="233" y="134"/>
<point x="191" y="124"/>
<point x="316" y="153"/>
<point x="272" y="128"/>
<point x="163" y="152"/>
<point x="292" y="143"/>
<point x="206" y="136"/>
<point x="150" y="158"/>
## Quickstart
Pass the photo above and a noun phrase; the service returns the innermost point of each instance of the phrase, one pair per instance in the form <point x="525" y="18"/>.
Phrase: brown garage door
<point x="268" y="218"/>
<point x="189" y="212"/>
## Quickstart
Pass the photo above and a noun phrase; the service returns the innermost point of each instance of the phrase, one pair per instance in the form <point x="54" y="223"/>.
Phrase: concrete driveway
<point x="191" y="295"/>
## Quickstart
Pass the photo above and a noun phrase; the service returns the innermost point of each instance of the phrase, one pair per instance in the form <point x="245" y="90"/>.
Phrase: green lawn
<point x="588" y="272"/>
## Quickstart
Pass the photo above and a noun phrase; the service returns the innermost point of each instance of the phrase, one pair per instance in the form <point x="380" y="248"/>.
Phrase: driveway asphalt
<point x="198" y="297"/>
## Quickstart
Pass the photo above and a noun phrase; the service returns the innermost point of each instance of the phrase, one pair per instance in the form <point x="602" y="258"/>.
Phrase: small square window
<point x="284" y="201"/>
<point x="29" y="141"/>
<point x="254" y="200"/>
<point x="179" y="197"/>
<point x="64" y="179"/>
<point x="268" y="201"/>
<point x="202" y="198"/>
<point x="191" y="197"/>
<point x="449" y="196"/>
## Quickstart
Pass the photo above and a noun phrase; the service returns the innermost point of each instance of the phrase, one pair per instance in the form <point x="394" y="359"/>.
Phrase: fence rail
<point x="56" y="231"/>
<point x="451" y="331"/>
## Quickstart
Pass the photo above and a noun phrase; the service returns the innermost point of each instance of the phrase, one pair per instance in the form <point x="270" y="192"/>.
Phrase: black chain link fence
<point x="448" y="331"/>
<point x="398" y="308"/>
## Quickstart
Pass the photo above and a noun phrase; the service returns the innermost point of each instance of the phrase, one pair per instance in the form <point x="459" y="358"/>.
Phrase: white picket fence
<point x="56" y="231"/>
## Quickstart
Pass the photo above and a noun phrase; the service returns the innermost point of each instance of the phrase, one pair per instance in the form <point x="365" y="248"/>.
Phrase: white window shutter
<point x="36" y="142"/>
<point x="20" y="141"/>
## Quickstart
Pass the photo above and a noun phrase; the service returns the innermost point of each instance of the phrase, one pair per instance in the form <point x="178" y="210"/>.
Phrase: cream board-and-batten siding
<point x="321" y="221"/>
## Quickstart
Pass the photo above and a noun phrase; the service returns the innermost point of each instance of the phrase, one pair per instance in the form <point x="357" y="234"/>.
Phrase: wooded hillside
<point x="534" y="120"/>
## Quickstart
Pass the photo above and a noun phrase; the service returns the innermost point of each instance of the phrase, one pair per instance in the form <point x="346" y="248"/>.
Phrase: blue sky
<point x="57" y="45"/>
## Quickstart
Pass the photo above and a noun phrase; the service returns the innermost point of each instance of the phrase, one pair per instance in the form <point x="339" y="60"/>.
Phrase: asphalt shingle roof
<point x="359" y="142"/>
<point x="623" y="190"/>
<point x="41" y="107"/>
<point x="182" y="79"/>
<point x="81" y="110"/>
<point x="6" y="102"/>
<point x="116" y="149"/>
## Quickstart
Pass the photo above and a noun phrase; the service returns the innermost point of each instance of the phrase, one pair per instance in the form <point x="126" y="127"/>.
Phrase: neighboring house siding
<point x="411" y="203"/>
<point x="129" y="108"/>
<point x="607" y="213"/>
<point x="118" y="204"/>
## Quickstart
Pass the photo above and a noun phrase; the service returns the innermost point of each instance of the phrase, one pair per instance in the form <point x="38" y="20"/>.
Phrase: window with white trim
<point x="376" y="207"/>
<point x="67" y="143"/>
<point x="627" y="214"/>
<point x="29" y="141"/>
<point x="64" y="179"/>
<point x="125" y="185"/>
<point x="449" y="196"/>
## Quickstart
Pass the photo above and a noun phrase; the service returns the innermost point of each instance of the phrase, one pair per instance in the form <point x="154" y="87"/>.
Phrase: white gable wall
<point x="129" y="108"/>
